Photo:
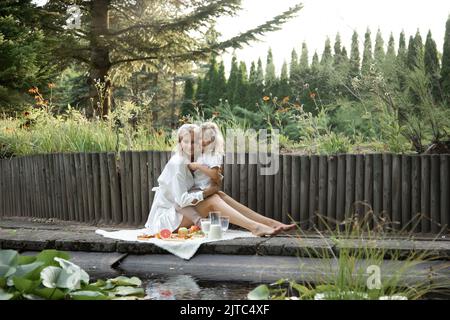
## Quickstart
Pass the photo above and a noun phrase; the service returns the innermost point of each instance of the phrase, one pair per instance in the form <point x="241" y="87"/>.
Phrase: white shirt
<point x="174" y="182"/>
<point x="202" y="180"/>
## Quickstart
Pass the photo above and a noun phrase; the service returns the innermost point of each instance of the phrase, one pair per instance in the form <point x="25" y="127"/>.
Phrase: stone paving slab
<point x="24" y="235"/>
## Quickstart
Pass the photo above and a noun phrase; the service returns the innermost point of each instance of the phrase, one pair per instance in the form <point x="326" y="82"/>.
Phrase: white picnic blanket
<point x="183" y="249"/>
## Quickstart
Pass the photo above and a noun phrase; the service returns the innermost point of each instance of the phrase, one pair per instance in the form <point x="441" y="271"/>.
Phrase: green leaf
<point x="25" y="270"/>
<point x="26" y="259"/>
<point x="99" y="283"/>
<point x="25" y="285"/>
<point x="302" y="290"/>
<point x="125" y="281"/>
<point x="128" y="291"/>
<point x="88" y="295"/>
<point x="259" y="293"/>
<point x="8" y="257"/>
<point x="6" y="271"/>
<point x="5" y="295"/>
<point x="2" y="282"/>
<point x="49" y="293"/>
<point x="48" y="257"/>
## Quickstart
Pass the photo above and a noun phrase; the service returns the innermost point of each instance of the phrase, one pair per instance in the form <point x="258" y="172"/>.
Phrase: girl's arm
<point x="214" y="173"/>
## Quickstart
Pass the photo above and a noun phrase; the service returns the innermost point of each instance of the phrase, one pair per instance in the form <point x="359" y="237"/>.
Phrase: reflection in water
<point x="185" y="287"/>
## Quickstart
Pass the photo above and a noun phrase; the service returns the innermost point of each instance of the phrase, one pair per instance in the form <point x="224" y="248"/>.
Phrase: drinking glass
<point x="224" y="222"/>
<point x="205" y="225"/>
<point x="214" y="217"/>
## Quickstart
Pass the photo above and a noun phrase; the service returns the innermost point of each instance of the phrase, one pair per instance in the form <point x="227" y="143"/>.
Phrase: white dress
<point x="174" y="182"/>
<point x="201" y="179"/>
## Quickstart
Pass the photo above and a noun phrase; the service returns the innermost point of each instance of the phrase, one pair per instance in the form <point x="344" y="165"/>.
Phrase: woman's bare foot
<point x="284" y="227"/>
<point x="262" y="230"/>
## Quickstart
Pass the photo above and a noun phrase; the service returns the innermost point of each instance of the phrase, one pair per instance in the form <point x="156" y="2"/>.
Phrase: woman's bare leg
<point x="215" y="202"/>
<point x="249" y="213"/>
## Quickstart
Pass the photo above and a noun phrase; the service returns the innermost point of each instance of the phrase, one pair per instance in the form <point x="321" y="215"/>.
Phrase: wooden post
<point x="406" y="192"/>
<point x="396" y="191"/>
<point x="136" y="181"/>
<point x="331" y="193"/>
<point x="304" y="191"/>
<point x="350" y="173"/>
<point x="295" y="188"/>
<point x="415" y="193"/>
<point x="425" y="193"/>
<point x="435" y="194"/>
<point x="145" y="194"/>
<point x="285" y="195"/>
<point x="445" y="191"/>
<point x="116" y="203"/>
<point x="387" y="186"/>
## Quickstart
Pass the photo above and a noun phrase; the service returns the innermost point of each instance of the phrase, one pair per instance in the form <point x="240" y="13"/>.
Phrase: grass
<point x="351" y="263"/>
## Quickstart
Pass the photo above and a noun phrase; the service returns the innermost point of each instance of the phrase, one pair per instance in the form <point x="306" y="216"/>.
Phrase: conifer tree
<point x="283" y="87"/>
<point x="367" y="54"/>
<point x="355" y="59"/>
<point x="327" y="56"/>
<point x="304" y="60"/>
<point x="187" y="106"/>
<point x="337" y="50"/>
<point x="294" y="66"/>
<point x="270" y="76"/>
<point x="232" y="80"/>
<point x="379" y="53"/>
<point x="432" y="68"/>
<point x="241" y="86"/>
<point x="445" y="71"/>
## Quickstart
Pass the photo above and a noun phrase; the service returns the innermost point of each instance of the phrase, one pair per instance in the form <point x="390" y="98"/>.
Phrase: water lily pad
<point x="125" y="281"/>
<point x="48" y="257"/>
<point x="88" y="295"/>
<point x="5" y="295"/>
<point x="8" y="257"/>
<point x="259" y="293"/>
<point x="128" y="291"/>
<point x="25" y="285"/>
<point x="49" y="293"/>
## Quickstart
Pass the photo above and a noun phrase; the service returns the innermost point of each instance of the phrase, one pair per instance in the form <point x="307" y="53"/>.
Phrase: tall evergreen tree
<point x="327" y="56"/>
<point x="355" y="60"/>
<point x="445" y="71"/>
<point x="401" y="61"/>
<point x="294" y="66"/>
<point x="211" y="81"/>
<point x="270" y="76"/>
<point x="304" y="60"/>
<point x="390" y="53"/>
<point x="232" y="80"/>
<point x="241" y="86"/>
<point x="315" y="64"/>
<point x="415" y="51"/>
<point x="432" y="68"/>
<point x="253" y="94"/>
<point x="187" y="105"/>
<point x="367" y="54"/>
<point x="337" y="50"/>
<point x="283" y="87"/>
<point x="379" y="53"/>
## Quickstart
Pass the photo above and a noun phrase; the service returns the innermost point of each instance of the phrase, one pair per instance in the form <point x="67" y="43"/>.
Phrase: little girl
<point x="207" y="169"/>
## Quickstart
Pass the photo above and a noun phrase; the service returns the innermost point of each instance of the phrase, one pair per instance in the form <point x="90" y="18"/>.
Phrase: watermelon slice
<point x="165" y="233"/>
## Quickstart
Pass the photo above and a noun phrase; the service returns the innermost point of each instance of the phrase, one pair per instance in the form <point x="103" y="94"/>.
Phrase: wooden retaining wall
<point x="103" y="188"/>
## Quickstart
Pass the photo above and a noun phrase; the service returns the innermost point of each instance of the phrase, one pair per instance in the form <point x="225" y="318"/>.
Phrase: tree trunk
<point x="100" y="93"/>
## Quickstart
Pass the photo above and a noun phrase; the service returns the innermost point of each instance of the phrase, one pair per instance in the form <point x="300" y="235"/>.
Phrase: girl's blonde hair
<point x="211" y="131"/>
<point x="181" y="132"/>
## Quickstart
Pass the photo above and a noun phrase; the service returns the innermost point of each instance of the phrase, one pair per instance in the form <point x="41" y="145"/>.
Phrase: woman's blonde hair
<point x="181" y="132"/>
<point x="211" y="131"/>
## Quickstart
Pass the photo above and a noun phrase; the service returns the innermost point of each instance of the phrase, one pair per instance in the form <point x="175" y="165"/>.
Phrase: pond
<point x="186" y="287"/>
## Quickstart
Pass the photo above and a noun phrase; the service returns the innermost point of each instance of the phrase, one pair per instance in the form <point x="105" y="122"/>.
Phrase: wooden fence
<point x="102" y="188"/>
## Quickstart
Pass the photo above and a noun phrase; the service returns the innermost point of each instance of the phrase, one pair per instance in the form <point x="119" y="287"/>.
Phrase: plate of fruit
<point x="194" y="232"/>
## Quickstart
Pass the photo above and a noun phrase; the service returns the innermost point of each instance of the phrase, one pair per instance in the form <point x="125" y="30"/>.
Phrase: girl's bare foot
<point x="263" y="230"/>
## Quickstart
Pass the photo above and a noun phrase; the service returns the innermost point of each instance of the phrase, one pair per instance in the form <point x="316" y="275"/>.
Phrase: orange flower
<point x="312" y="95"/>
<point x="26" y="113"/>
<point x="33" y="90"/>
<point x="266" y="98"/>
<point x="216" y="113"/>
<point x="51" y="85"/>
<point x="285" y="99"/>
